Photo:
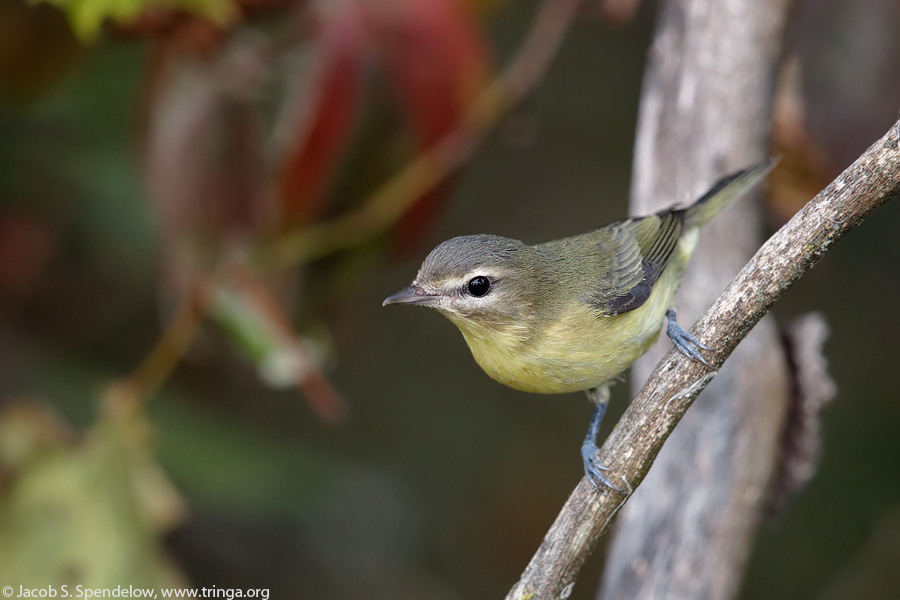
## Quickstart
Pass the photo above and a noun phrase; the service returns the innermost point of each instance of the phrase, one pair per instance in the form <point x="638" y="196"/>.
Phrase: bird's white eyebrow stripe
<point x="485" y="272"/>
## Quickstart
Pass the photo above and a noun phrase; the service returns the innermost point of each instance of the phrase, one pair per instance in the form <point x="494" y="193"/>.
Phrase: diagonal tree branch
<point x="867" y="184"/>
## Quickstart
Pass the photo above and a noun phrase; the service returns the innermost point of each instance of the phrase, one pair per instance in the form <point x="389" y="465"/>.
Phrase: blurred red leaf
<point x="437" y="62"/>
<point x="434" y="57"/>
<point x="312" y="161"/>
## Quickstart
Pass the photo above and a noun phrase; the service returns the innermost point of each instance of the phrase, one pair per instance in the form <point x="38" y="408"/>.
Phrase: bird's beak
<point x="410" y="295"/>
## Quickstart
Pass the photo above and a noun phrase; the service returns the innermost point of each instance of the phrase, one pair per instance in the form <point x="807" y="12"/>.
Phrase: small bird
<point x="572" y="314"/>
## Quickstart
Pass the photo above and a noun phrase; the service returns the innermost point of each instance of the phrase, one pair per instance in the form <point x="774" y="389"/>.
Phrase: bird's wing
<point x="637" y="252"/>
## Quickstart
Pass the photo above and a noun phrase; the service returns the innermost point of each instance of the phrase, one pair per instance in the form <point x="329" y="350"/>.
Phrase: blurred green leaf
<point x="246" y="311"/>
<point x="88" y="510"/>
<point x="87" y="16"/>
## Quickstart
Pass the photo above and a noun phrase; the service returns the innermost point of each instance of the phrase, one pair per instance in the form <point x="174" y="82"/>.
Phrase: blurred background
<point x="203" y="204"/>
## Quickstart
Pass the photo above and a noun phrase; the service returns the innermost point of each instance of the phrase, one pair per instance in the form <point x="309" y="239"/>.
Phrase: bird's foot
<point x="593" y="470"/>
<point x="684" y="341"/>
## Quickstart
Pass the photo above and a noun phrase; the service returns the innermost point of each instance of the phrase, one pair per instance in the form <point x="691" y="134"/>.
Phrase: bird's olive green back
<point x="625" y="259"/>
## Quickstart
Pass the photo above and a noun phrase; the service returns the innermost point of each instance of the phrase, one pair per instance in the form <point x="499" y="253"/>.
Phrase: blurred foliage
<point x="145" y="179"/>
<point x="41" y="34"/>
<point x="85" y="510"/>
<point x="87" y="16"/>
<point x="256" y="142"/>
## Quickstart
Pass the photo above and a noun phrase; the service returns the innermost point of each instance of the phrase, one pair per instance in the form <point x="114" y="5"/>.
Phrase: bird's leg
<point x="593" y="470"/>
<point x="684" y="341"/>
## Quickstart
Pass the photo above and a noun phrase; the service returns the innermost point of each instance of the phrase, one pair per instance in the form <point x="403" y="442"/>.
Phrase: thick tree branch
<point x="629" y="451"/>
<point x="688" y="532"/>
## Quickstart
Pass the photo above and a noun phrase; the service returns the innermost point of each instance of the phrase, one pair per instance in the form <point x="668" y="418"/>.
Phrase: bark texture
<point x="705" y="111"/>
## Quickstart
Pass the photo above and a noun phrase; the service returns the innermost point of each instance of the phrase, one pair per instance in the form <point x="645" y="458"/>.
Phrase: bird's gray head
<point x="483" y="277"/>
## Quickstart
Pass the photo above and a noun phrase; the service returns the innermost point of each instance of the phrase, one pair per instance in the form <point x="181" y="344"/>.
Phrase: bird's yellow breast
<point x="580" y="349"/>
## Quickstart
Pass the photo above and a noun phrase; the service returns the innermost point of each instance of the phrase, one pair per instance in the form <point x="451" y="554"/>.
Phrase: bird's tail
<point x="724" y="192"/>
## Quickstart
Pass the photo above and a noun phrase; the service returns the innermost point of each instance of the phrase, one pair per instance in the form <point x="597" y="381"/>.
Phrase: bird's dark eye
<point x="479" y="286"/>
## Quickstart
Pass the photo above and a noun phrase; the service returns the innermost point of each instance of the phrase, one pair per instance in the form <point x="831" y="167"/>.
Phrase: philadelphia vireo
<point x="572" y="314"/>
